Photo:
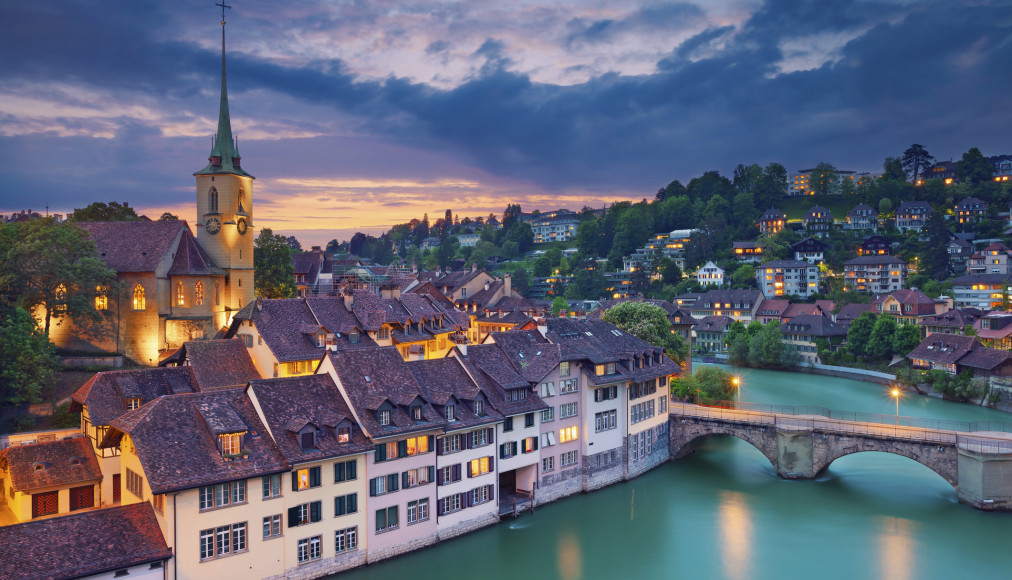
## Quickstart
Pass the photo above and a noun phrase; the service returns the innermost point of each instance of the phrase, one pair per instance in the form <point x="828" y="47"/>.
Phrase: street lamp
<point x="737" y="387"/>
<point x="896" y="395"/>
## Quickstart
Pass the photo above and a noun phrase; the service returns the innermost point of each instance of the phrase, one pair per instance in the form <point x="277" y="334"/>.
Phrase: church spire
<point x="224" y="156"/>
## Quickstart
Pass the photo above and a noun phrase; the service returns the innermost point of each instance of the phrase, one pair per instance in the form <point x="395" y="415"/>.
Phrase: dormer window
<point x="321" y="340"/>
<point x="479" y="408"/>
<point x="343" y="434"/>
<point x="416" y="413"/>
<point x="133" y="403"/>
<point x="384" y="417"/>
<point x="353" y="337"/>
<point x="450" y="413"/>
<point x="307" y="440"/>
<point x="231" y="444"/>
<point x="383" y="333"/>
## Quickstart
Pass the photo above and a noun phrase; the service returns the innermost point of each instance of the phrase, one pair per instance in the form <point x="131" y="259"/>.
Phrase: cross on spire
<point x="223" y="7"/>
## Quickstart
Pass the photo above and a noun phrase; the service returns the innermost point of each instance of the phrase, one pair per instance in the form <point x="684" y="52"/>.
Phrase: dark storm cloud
<point x="935" y="74"/>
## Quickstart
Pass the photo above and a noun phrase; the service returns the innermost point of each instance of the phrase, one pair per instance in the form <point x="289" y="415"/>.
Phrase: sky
<point x="357" y="115"/>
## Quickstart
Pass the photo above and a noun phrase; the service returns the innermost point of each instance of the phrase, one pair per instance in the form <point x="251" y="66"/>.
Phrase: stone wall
<point x="323" y="567"/>
<point x="468" y="526"/>
<point x="603" y="469"/>
<point x="559" y="484"/>
<point x="403" y="548"/>
<point x="659" y="453"/>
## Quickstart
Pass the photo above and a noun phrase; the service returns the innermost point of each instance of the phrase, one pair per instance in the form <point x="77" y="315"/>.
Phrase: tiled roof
<point x="956" y="318"/>
<point x="82" y="544"/>
<point x="747" y="298"/>
<point x="788" y="264"/>
<point x="446" y="381"/>
<point x="772" y="214"/>
<point x="176" y="440"/>
<point x="813" y="212"/>
<point x="216" y="364"/>
<point x="288" y="404"/>
<point x="713" y="324"/>
<point x="744" y="245"/>
<point x="985" y="358"/>
<point x="490" y="368"/>
<point x="773" y="307"/>
<point x="333" y="314"/>
<point x="873" y="260"/>
<point x="278" y="321"/>
<point x="943" y="348"/>
<point x="969" y="203"/>
<point x="911" y="296"/>
<point x="601" y="342"/>
<point x="372" y="376"/>
<point x="51" y="464"/>
<point x="852" y="311"/>
<point x="970" y="279"/>
<point x="814" y="325"/>
<point x="513" y="317"/>
<point x="192" y="260"/>
<point x="133" y="246"/>
<point x="531" y="354"/>
<point x="800" y="309"/>
<point x="105" y="394"/>
<point x="857" y="210"/>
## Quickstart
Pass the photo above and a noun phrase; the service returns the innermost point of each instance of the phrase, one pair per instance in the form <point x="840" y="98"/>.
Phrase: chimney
<point x="507" y="281"/>
<point x="461" y="342"/>
<point x="260" y="304"/>
<point x="349" y="299"/>
<point x="486" y="284"/>
<point x="474" y="267"/>
<point x="316" y="249"/>
<point x="542" y="325"/>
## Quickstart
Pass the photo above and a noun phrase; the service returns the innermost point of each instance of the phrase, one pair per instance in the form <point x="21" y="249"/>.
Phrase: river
<point x="723" y="513"/>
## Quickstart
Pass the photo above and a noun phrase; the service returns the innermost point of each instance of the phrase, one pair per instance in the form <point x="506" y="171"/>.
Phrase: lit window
<point x="198" y="293"/>
<point x="180" y="298"/>
<point x="139" y="297"/>
<point x="101" y="300"/>
<point x="230" y="444"/>
<point x="384" y="417"/>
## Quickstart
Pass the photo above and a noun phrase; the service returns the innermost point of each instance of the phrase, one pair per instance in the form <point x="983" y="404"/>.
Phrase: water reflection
<point x="896" y="548"/>
<point x="569" y="558"/>
<point x="735" y="522"/>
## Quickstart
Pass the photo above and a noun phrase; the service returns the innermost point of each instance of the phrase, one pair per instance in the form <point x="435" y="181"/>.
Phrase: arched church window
<point x="180" y="297"/>
<point x="138" y="297"/>
<point x="101" y="300"/>
<point x="212" y="200"/>
<point x="60" y="299"/>
<point x="198" y="293"/>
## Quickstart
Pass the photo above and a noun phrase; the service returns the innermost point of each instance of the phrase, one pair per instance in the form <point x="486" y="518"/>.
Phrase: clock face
<point x="241" y="225"/>
<point x="213" y="225"/>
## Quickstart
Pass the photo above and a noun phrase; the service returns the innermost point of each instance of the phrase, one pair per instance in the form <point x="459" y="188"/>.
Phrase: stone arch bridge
<point x="802" y="444"/>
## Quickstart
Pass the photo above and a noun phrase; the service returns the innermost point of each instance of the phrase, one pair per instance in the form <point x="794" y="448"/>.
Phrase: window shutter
<point x="339" y="472"/>
<point x="432" y="440"/>
<point x="314" y="476"/>
<point x="381" y="452"/>
<point x="491" y="491"/>
<point x="315" y="511"/>
<point x="381" y="519"/>
<point x="513" y="448"/>
<point x="439" y="508"/>
<point x="293" y="517"/>
<point x="439" y="477"/>
<point x="491" y="464"/>
<point x="392" y="516"/>
<point x="392" y="482"/>
<point x="340" y="506"/>
<point x="352" y="470"/>
<point x="544" y="439"/>
<point x="502" y="450"/>
<point x="441" y="446"/>
<point x="352" y="503"/>
<point x="535" y="443"/>
<point x="295" y="481"/>
<point x="402" y="448"/>
<point x="404" y="480"/>
<point x="470" y="470"/>
<point x="432" y="473"/>
<point x="491" y="434"/>
<point x="466" y="500"/>
<point x="551" y="437"/>
<point x="372" y="487"/>
<point x="456" y="472"/>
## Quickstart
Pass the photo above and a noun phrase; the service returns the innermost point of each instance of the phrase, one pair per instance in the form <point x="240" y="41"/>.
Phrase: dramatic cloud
<point x="365" y="114"/>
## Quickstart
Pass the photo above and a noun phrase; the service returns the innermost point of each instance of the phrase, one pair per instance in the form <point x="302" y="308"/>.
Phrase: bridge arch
<point x="937" y="461"/>
<point x="762" y="439"/>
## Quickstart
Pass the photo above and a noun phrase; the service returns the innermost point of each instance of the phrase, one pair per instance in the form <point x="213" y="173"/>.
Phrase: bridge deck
<point x="974" y="441"/>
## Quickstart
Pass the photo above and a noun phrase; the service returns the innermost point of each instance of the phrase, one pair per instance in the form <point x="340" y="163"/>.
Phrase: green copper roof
<point x="224" y="147"/>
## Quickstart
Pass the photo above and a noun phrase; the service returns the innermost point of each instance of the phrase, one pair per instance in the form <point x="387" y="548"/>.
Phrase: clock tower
<point x="225" y="211"/>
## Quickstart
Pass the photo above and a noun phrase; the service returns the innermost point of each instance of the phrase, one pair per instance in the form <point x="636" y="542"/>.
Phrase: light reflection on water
<point x="896" y="549"/>
<point x="735" y="523"/>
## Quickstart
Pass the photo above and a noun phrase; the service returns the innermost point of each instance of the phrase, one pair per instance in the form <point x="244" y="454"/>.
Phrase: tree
<point x="974" y="167"/>
<point x="168" y="217"/>
<point x="906" y="338"/>
<point x="933" y="255"/>
<point x="880" y="343"/>
<point x="885" y="206"/>
<point x="916" y="160"/>
<point x="824" y="179"/>
<point x="649" y="323"/>
<point x="559" y="304"/>
<point x="708" y="385"/>
<point x="102" y="212"/>
<point x="294" y="244"/>
<point x="893" y="170"/>
<point x="542" y="266"/>
<point x="859" y="333"/>
<point x="670" y="272"/>
<point x="735" y="330"/>
<point x="28" y="360"/>
<point x="53" y="267"/>
<point x="587" y="234"/>
<point x="521" y="281"/>
<point x="273" y="272"/>
<point x="767" y="348"/>
<point x="744" y="276"/>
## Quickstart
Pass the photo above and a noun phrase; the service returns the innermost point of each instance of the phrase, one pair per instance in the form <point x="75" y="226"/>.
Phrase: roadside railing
<point x="813" y="417"/>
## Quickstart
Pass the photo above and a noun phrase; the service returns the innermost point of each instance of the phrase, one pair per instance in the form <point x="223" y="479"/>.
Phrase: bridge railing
<point x="918" y="422"/>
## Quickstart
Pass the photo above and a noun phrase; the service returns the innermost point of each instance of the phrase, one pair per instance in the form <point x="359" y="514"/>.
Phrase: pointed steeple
<point x="224" y="157"/>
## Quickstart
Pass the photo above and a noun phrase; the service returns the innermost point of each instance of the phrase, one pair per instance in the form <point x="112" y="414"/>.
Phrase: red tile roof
<point x="51" y="464"/>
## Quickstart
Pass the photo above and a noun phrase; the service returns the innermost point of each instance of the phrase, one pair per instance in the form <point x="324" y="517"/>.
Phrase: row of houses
<point x="367" y="457"/>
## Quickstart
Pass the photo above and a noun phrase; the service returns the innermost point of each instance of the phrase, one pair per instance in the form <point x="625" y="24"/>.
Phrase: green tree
<point x="670" y="272"/>
<point x="880" y="343"/>
<point x="885" y="206"/>
<point x="559" y="304"/>
<point x="735" y="330"/>
<point x="744" y="276"/>
<point x="28" y="360"/>
<point x="893" y="170"/>
<point x="542" y="266"/>
<point x="521" y="281"/>
<point x="102" y="212"/>
<point x="708" y="385"/>
<point x="824" y="179"/>
<point x="649" y="323"/>
<point x="933" y="256"/>
<point x="587" y="284"/>
<point x="53" y="267"/>
<point x="767" y="349"/>
<point x="859" y="333"/>
<point x="916" y="160"/>
<point x="906" y="338"/>
<point x="168" y="217"/>
<point x="974" y="167"/>
<point x="587" y="234"/>
<point x="274" y="275"/>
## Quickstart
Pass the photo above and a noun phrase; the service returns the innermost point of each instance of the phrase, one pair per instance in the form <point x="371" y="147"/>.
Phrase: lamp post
<point x="896" y="395"/>
<point x="737" y="387"/>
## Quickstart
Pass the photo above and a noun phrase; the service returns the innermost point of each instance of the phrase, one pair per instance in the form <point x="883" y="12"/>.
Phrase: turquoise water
<point x="723" y="513"/>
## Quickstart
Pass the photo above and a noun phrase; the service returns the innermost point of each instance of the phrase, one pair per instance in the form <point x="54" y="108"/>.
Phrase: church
<point x="174" y="286"/>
